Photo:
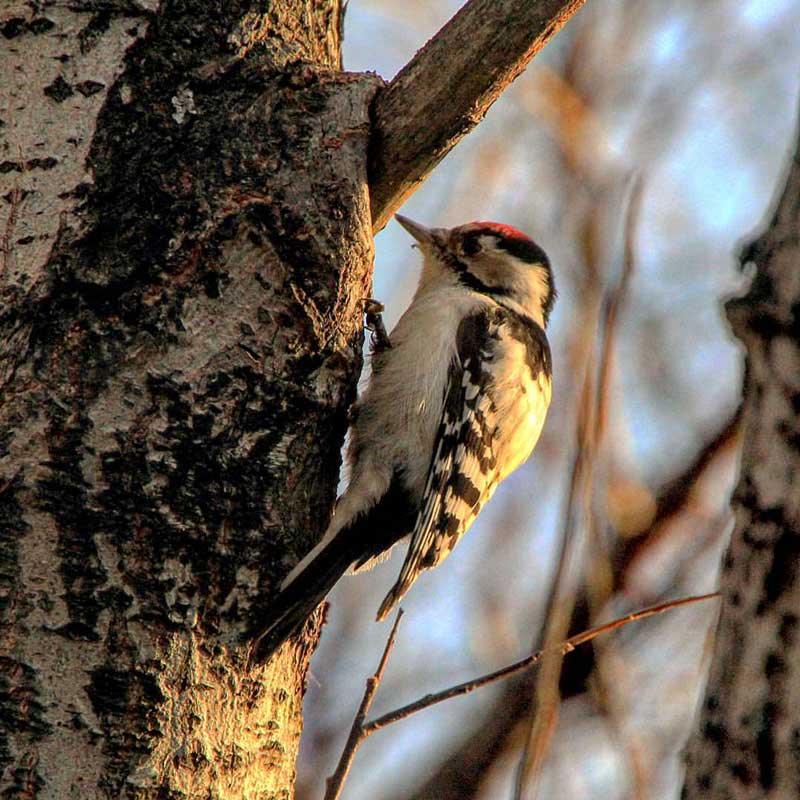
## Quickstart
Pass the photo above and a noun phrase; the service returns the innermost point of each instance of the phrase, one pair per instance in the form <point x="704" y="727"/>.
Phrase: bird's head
<point x="490" y="258"/>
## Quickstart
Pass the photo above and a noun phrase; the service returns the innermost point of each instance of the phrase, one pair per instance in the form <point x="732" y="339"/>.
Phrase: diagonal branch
<point x="562" y="648"/>
<point x="674" y="499"/>
<point x="335" y="783"/>
<point x="447" y="88"/>
<point x="591" y="425"/>
<point x="464" y="768"/>
<point x="361" y="729"/>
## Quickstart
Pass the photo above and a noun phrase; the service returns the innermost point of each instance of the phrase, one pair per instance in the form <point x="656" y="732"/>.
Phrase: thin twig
<point x="614" y="304"/>
<point x="361" y="729"/>
<point x="560" y="602"/>
<point x="563" y="648"/>
<point x="335" y="784"/>
<point x="541" y="722"/>
<point x="615" y="300"/>
<point x="600" y="578"/>
<point x="600" y="581"/>
<point x="591" y="426"/>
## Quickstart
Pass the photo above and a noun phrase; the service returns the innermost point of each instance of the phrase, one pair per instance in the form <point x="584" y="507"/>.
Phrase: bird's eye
<point x="472" y="245"/>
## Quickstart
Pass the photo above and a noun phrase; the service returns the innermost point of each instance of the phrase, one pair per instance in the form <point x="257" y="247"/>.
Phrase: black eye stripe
<point x="471" y="245"/>
<point x="514" y="243"/>
<point x="525" y="250"/>
<point x="466" y="277"/>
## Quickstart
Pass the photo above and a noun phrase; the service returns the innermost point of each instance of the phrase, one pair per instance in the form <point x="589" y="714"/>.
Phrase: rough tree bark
<point x="186" y="243"/>
<point x="748" y="745"/>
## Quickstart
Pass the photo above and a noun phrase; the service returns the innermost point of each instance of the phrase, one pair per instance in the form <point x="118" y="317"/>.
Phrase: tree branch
<point x="447" y="88"/>
<point x="464" y="767"/>
<point x="335" y="783"/>
<point x="361" y="729"/>
<point x="591" y="425"/>
<point x="567" y="646"/>
<point x="674" y="498"/>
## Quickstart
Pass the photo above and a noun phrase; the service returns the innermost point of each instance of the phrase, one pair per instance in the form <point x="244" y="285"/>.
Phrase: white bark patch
<point x="183" y="103"/>
<point x="210" y="338"/>
<point x="769" y="470"/>
<point x="45" y="588"/>
<point x="83" y="764"/>
<point x="183" y="604"/>
<point x="245" y="590"/>
<point x="767" y="475"/>
<point x="55" y="657"/>
<point x="38" y="546"/>
<point x="52" y="94"/>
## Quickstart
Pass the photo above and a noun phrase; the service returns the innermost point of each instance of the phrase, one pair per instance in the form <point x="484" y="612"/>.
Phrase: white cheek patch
<point x="488" y="243"/>
<point x="539" y="281"/>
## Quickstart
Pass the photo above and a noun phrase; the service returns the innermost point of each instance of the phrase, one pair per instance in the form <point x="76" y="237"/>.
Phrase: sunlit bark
<point x="186" y="245"/>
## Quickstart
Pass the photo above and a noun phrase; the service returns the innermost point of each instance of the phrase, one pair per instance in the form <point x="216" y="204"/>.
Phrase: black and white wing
<point x="495" y="404"/>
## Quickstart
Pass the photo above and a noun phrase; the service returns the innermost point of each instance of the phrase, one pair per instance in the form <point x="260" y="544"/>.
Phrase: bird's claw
<point x="374" y="323"/>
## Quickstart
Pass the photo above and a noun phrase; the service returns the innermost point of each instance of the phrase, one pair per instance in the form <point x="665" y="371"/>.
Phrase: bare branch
<point x="591" y="425"/>
<point x="561" y="599"/>
<point x="447" y="88"/>
<point x="488" y="741"/>
<point x="599" y="581"/>
<point x="563" y="648"/>
<point x="614" y="303"/>
<point x="335" y="783"/>
<point x="361" y="729"/>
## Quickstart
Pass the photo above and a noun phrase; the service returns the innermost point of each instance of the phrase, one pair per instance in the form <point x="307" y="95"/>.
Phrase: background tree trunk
<point x="186" y="245"/>
<point x="749" y="740"/>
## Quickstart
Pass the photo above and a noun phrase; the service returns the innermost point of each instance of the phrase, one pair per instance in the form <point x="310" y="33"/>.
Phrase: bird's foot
<point x="373" y="310"/>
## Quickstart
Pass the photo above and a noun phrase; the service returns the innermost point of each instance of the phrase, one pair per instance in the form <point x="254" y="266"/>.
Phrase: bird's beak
<point x="425" y="236"/>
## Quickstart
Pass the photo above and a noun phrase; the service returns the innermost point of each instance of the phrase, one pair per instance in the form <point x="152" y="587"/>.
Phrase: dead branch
<point x="562" y="649"/>
<point x="493" y="736"/>
<point x="335" y="783"/>
<point x="447" y="88"/>
<point x="591" y="426"/>
<point x="361" y="729"/>
<point x="599" y="583"/>
<point x="561" y="599"/>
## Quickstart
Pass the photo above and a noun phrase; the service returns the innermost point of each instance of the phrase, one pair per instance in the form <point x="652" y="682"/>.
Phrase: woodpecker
<point x="455" y="403"/>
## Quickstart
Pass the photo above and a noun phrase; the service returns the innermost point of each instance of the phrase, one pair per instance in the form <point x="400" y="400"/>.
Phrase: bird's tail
<point x="408" y="575"/>
<point x="360" y="541"/>
<point x="295" y="602"/>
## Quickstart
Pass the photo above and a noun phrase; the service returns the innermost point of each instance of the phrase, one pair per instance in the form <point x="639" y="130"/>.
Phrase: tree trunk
<point x="186" y="247"/>
<point x="749" y="740"/>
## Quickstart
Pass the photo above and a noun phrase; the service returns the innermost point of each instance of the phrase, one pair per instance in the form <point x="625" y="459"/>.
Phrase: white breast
<point x="400" y="412"/>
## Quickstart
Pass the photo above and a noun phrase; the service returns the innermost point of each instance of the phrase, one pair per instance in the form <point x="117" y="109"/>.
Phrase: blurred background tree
<point x="699" y="101"/>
